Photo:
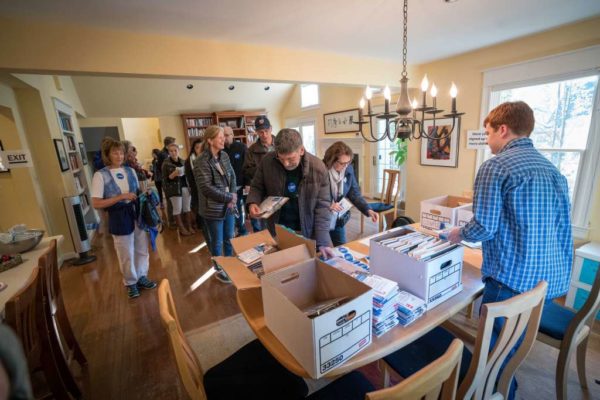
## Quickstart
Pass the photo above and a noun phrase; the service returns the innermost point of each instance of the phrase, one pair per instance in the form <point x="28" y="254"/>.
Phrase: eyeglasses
<point x="341" y="164"/>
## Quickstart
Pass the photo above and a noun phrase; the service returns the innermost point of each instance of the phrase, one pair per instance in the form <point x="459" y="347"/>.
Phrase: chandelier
<point x="407" y="125"/>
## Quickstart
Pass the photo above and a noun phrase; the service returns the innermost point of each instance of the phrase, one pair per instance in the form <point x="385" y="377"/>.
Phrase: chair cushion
<point x="379" y="207"/>
<point x="555" y="320"/>
<point x="424" y="351"/>
<point x="252" y="373"/>
<point x="349" y="387"/>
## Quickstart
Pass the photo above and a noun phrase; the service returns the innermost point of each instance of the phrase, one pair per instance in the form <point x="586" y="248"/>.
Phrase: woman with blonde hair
<point x="217" y="194"/>
<point x="115" y="189"/>
<point x="343" y="184"/>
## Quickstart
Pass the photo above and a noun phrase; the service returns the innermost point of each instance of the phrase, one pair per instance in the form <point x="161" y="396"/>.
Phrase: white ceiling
<point x="355" y="27"/>
<point x="145" y="97"/>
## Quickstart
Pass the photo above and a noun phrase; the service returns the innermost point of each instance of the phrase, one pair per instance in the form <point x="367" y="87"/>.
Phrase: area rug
<point x="215" y="342"/>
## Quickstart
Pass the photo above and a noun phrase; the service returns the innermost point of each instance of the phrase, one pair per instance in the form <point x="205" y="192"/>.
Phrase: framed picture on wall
<point x="83" y="154"/>
<point x="3" y="161"/>
<point x="341" y="121"/>
<point x="440" y="152"/>
<point x="59" y="146"/>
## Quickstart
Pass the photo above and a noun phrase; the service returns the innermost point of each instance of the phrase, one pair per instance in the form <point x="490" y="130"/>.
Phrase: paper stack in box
<point x="252" y="257"/>
<point x="354" y="257"/>
<point x="410" y="308"/>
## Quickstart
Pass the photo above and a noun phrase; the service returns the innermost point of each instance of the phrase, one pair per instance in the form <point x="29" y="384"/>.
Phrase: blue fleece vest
<point x="121" y="215"/>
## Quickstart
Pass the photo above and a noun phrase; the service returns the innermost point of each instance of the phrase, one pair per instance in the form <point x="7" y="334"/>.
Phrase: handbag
<point x="343" y="220"/>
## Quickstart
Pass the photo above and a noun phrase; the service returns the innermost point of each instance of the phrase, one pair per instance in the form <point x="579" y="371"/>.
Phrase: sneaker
<point x="145" y="283"/>
<point x="132" y="291"/>
<point x="222" y="276"/>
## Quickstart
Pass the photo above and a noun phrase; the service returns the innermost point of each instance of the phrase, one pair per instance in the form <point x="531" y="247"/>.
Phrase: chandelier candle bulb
<point x="414" y="104"/>
<point x="424" y="87"/>
<point x="387" y="95"/>
<point x="434" y="94"/>
<point x="453" y="93"/>
<point x="361" y="106"/>
<point x="368" y="95"/>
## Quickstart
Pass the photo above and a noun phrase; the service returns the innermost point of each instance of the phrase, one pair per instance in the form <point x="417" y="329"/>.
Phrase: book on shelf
<point x="65" y="122"/>
<point x="270" y="205"/>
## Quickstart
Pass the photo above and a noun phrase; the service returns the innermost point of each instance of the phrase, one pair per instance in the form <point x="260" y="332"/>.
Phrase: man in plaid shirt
<point x="520" y="212"/>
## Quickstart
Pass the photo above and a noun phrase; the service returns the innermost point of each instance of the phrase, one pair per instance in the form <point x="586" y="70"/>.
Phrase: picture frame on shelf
<point x="71" y="142"/>
<point x="341" y="121"/>
<point x="442" y="152"/>
<point x="3" y="161"/>
<point x="232" y="124"/>
<point x="84" y="159"/>
<point x="61" y="154"/>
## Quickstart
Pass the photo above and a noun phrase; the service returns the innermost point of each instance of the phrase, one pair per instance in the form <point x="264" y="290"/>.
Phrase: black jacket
<point x="237" y="154"/>
<point x="215" y="189"/>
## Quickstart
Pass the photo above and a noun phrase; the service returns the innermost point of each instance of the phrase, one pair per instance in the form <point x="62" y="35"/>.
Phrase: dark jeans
<point x="257" y="224"/>
<point x="160" y="191"/>
<point x="338" y="236"/>
<point x="493" y="292"/>
<point x="221" y="232"/>
<point x="202" y="225"/>
<point x="240" y="222"/>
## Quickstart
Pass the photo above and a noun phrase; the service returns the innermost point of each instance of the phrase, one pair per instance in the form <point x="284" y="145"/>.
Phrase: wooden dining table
<point x="251" y="305"/>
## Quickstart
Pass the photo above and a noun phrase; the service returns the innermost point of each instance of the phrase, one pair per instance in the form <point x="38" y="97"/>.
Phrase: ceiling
<point x="354" y="27"/>
<point x="103" y="96"/>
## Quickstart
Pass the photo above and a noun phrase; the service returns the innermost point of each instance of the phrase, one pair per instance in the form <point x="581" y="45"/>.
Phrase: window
<point x="563" y="114"/>
<point x="309" y="95"/>
<point x="563" y="92"/>
<point x="307" y="130"/>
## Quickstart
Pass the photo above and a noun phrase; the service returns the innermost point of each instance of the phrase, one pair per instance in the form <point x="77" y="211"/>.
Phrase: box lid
<point x="591" y="251"/>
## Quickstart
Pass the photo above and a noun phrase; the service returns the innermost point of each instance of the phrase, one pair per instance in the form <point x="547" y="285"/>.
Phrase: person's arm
<point x="257" y="190"/>
<point x="203" y="177"/>
<point x="487" y="203"/>
<point x="322" y="213"/>
<point x="354" y="194"/>
<point x="249" y="167"/>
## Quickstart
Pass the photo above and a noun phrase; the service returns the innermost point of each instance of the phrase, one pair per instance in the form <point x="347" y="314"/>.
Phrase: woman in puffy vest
<point x="114" y="189"/>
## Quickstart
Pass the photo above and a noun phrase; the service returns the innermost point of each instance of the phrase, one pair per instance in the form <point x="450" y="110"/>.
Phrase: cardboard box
<point x="324" y="342"/>
<point x="442" y="210"/>
<point x="434" y="280"/>
<point x="464" y="215"/>
<point x="292" y="249"/>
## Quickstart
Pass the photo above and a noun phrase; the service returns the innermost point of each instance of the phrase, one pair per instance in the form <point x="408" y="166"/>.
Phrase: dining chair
<point x="438" y="380"/>
<point x="481" y="369"/>
<point x="388" y="201"/>
<point x="250" y="373"/>
<point x="569" y="331"/>
<point x="24" y="314"/>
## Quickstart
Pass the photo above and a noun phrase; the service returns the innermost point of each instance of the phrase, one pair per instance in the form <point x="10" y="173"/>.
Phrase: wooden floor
<point x="125" y="344"/>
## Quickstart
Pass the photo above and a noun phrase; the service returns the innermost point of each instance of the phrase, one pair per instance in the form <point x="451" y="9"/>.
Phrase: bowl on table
<point x="22" y="242"/>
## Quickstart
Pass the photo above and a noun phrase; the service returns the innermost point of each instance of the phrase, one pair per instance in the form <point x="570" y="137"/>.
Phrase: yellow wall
<point x="104" y="51"/>
<point x="102" y="122"/>
<point x="467" y="71"/>
<point x="171" y="125"/>
<point x="144" y="133"/>
<point x="17" y="191"/>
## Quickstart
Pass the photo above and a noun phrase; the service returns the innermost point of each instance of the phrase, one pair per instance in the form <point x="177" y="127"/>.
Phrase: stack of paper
<point x="252" y="257"/>
<point x="385" y="302"/>
<point x="419" y="246"/>
<point x="354" y="257"/>
<point x="270" y="205"/>
<point x="410" y="308"/>
<point x="346" y="206"/>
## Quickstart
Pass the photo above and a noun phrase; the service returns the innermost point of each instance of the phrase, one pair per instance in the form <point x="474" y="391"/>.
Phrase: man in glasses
<point x="291" y="172"/>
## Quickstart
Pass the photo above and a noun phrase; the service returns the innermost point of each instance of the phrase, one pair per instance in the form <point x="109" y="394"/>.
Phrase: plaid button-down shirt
<point x="521" y="216"/>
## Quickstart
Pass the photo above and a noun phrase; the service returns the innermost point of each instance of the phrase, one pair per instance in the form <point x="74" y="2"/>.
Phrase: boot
<point x="181" y="226"/>
<point x="189" y="216"/>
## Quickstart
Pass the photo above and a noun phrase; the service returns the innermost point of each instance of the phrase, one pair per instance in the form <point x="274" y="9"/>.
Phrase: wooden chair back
<point x="390" y="189"/>
<point x="436" y="381"/>
<point x="20" y="313"/>
<point x="521" y="316"/>
<point x="189" y="368"/>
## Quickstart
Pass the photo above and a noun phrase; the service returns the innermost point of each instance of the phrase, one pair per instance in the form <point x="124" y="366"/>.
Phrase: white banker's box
<point x="442" y="210"/>
<point x="326" y="341"/>
<point x="434" y="280"/>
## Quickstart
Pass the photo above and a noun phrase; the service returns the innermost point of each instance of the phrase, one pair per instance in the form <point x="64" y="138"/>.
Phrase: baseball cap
<point x="262" y="122"/>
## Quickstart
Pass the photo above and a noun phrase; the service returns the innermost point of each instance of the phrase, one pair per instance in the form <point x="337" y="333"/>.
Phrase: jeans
<point x="202" y="225"/>
<point x="240" y="222"/>
<point x="495" y="291"/>
<point x="338" y="236"/>
<point x="257" y="224"/>
<point x="221" y="232"/>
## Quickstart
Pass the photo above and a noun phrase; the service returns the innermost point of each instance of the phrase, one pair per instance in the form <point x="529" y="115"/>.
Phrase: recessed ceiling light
<point x="267" y="87"/>
<point x="231" y="87"/>
<point x="190" y="86"/>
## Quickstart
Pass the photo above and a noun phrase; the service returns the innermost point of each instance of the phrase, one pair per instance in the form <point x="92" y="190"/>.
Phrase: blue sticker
<point x="120" y="175"/>
<point x="237" y="156"/>
<point x="291" y="187"/>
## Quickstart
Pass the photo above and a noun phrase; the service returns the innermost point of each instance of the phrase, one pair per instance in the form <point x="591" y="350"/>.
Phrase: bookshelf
<point x="76" y="169"/>
<point x="242" y="123"/>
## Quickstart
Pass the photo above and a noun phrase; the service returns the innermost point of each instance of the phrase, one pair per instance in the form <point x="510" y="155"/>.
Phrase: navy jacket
<point x="237" y="153"/>
<point x="352" y="191"/>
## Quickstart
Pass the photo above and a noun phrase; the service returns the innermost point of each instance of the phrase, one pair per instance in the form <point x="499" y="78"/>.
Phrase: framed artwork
<point x="341" y="121"/>
<point x="83" y="154"/>
<point x="3" y="161"/>
<point x="442" y="152"/>
<point x="59" y="146"/>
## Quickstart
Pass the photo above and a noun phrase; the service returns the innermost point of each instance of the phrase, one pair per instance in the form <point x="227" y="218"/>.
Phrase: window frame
<point x="311" y="106"/>
<point x="570" y="65"/>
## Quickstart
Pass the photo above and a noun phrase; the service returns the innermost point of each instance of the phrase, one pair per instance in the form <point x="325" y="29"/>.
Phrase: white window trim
<point x="569" y="65"/>
<point x="294" y="122"/>
<point x="312" y="106"/>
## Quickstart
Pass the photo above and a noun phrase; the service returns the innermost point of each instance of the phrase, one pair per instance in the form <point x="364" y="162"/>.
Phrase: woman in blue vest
<point x="114" y="189"/>
<point x="343" y="184"/>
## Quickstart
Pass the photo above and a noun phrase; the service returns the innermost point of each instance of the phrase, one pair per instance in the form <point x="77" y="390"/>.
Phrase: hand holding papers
<point x="270" y="205"/>
<point x="345" y="206"/>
